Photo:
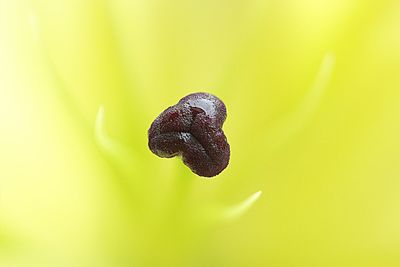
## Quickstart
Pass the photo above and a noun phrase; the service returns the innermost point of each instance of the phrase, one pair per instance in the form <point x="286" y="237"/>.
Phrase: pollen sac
<point x="193" y="129"/>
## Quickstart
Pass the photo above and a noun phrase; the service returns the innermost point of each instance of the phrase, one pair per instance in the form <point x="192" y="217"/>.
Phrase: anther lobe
<point x="193" y="129"/>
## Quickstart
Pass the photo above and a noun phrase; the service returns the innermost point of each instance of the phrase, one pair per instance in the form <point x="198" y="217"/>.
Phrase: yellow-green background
<point x="323" y="148"/>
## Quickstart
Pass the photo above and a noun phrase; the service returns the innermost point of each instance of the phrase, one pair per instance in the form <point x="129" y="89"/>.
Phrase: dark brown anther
<point x="193" y="129"/>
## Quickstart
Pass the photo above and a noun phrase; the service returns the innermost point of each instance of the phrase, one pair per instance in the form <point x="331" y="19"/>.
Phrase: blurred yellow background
<point x="313" y="95"/>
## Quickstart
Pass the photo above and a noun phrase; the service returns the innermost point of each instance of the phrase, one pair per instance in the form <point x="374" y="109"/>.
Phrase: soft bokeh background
<point x="313" y="95"/>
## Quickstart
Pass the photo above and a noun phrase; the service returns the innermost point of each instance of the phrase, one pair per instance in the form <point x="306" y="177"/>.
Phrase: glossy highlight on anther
<point x="193" y="129"/>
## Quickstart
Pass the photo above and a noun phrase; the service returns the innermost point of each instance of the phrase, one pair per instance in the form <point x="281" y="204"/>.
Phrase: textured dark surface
<point x="193" y="129"/>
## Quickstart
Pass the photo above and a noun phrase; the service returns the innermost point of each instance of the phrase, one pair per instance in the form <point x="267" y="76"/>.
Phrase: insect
<point x="193" y="129"/>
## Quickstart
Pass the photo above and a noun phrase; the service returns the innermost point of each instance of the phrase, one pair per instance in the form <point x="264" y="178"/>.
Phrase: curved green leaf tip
<point x="241" y="208"/>
<point x="102" y="138"/>
<point x="106" y="142"/>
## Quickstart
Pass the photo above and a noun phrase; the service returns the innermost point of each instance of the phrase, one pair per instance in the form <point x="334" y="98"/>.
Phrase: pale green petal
<point x="313" y="99"/>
